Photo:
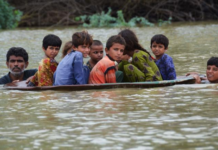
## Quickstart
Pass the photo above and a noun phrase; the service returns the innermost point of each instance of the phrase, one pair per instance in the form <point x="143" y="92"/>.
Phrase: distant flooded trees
<point x="66" y="12"/>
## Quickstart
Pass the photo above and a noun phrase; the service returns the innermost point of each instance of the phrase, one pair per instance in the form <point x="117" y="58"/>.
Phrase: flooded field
<point x="174" y="117"/>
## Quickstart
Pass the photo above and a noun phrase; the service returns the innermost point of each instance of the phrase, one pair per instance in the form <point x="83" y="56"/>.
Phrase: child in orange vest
<point x="105" y="70"/>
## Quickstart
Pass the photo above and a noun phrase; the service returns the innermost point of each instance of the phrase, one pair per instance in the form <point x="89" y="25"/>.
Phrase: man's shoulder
<point x="31" y="71"/>
<point x="28" y="73"/>
<point x="5" y="79"/>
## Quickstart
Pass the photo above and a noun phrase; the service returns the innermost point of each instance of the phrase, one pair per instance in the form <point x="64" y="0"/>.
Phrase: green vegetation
<point x="62" y="12"/>
<point x="9" y="17"/>
<point x="162" y="22"/>
<point x="106" y="20"/>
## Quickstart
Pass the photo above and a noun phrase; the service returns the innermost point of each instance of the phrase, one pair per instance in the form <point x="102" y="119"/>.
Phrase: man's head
<point x="115" y="47"/>
<point x="17" y="60"/>
<point x="96" y="51"/>
<point x="81" y="42"/>
<point x="212" y="70"/>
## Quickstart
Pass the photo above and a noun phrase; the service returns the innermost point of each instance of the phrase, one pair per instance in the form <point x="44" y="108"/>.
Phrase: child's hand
<point x="192" y="73"/>
<point x="196" y="76"/>
<point x="15" y="81"/>
<point x="28" y="80"/>
<point x="125" y="57"/>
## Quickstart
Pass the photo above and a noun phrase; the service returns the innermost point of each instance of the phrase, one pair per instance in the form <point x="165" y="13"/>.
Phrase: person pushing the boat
<point x="211" y="72"/>
<point x="70" y="70"/>
<point x="142" y="67"/>
<point x="17" y="62"/>
<point x="95" y="54"/>
<point x="105" y="71"/>
<point x="44" y="76"/>
<point x="159" y="45"/>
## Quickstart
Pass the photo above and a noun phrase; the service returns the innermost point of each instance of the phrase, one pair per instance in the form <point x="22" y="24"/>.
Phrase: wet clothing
<point x="44" y="75"/>
<point x="27" y="73"/>
<point x="166" y="67"/>
<point x="70" y="70"/>
<point x="103" y="72"/>
<point x="142" y="68"/>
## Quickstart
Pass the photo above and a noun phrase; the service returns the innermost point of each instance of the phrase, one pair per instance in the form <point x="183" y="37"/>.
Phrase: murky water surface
<point x="175" y="117"/>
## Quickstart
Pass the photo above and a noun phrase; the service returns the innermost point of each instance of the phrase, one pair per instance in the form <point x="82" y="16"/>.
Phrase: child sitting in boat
<point x="96" y="54"/>
<point x="44" y="76"/>
<point x="211" y="72"/>
<point x="159" y="45"/>
<point x="105" y="70"/>
<point x="142" y="68"/>
<point x="70" y="70"/>
<point x="67" y="48"/>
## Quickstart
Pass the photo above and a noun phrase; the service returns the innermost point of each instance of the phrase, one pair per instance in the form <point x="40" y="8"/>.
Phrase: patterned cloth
<point x="142" y="68"/>
<point x="89" y="65"/>
<point x="103" y="72"/>
<point x="44" y="75"/>
<point x="70" y="70"/>
<point x="166" y="67"/>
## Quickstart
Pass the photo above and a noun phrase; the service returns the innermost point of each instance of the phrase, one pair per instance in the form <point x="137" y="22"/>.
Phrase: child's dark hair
<point x="96" y="43"/>
<point x="213" y="61"/>
<point x="160" y="39"/>
<point x="115" y="39"/>
<point x="66" y="48"/>
<point x="131" y="41"/>
<point x="51" y="40"/>
<point x="81" y="38"/>
<point x="17" y="51"/>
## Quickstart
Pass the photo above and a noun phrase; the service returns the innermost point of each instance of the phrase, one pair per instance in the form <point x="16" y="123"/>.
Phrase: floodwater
<point x="173" y="117"/>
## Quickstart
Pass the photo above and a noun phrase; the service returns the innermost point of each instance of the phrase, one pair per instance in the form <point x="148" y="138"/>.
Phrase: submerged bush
<point x="166" y="22"/>
<point x="106" y="20"/>
<point x="98" y="20"/>
<point x="9" y="17"/>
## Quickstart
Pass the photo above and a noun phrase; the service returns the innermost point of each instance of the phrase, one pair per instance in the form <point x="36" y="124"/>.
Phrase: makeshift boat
<point x="150" y="84"/>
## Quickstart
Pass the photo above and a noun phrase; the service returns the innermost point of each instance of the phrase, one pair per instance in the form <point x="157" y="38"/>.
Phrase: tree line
<point x="65" y="12"/>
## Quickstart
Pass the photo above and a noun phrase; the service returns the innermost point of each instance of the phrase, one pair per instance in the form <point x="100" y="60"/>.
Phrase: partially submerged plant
<point x="106" y="20"/>
<point x="166" y="22"/>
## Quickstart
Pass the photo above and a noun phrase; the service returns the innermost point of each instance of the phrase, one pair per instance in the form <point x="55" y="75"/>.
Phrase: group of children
<point x="125" y="60"/>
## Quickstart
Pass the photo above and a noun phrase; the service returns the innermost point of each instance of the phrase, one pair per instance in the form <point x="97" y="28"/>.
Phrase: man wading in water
<point x="17" y="61"/>
<point x="211" y="72"/>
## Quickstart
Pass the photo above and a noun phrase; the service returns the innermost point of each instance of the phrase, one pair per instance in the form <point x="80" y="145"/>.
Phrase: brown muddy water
<point x="174" y="117"/>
